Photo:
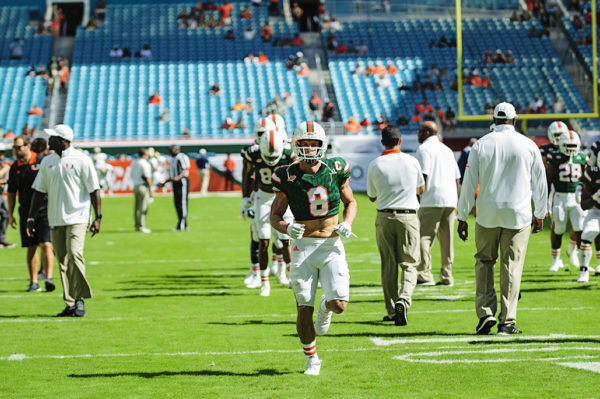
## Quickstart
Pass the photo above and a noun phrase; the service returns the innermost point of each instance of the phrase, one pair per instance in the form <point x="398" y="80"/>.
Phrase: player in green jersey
<point x="262" y="161"/>
<point x="313" y="188"/>
<point x="590" y="201"/>
<point x="564" y="168"/>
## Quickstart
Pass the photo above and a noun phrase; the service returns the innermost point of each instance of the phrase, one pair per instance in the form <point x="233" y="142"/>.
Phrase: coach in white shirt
<point x="141" y="177"/>
<point x="69" y="178"/>
<point x="438" y="203"/>
<point x="397" y="224"/>
<point x="509" y="169"/>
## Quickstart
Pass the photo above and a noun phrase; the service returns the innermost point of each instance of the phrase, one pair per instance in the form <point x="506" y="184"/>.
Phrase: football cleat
<point x="254" y="281"/>
<point x="281" y="277"/>
<point x="597" y="271"/>
<point x="556" y="265"/>
<point x="323" y="320"/>
<point x="584" y="275"/>
<point x="574" y="257"/>
<point x="265" y="289"/>
<point x="248" y="277"/>
<point x="313" y="365"/>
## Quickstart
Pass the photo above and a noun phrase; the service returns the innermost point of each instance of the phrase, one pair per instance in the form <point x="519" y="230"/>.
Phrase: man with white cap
<point x="69" y="179"/>
<point x="204" y="169"/>
<point x="508" y="166"/>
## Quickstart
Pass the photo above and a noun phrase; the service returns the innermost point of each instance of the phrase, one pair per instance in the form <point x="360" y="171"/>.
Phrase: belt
<point x="409" y="211"/>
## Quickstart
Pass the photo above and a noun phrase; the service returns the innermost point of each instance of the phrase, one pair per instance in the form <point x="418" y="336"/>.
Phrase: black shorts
<point x="42" y="230"/>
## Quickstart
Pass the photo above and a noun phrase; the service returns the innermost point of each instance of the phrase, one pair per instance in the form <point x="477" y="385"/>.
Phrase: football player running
<point x="249" y="187"/>
<point x="262" y="161"/>
<point x="313" y="187"/>
<point x="564" y="169"/>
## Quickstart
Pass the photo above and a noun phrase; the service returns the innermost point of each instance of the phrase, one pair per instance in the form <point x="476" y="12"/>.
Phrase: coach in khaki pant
<point x="397" y="224"/>
<point x="141" y="177"/>
<point x="510" y="171"/>
<point x="438" y="203"/>
<point x="69" y="178"/>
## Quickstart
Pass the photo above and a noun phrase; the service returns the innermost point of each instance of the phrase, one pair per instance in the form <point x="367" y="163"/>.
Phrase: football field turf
<point x="171" y="318"/>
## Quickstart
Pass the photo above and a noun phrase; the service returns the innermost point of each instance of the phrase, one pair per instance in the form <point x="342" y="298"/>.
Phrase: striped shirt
<point x="177" y="164"/>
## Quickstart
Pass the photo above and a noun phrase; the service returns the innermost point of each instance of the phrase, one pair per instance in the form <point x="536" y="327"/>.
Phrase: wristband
<point x="30" y="220"/>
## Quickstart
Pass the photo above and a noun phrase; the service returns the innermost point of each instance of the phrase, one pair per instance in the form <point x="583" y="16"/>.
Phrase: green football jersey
<point x="591" y="177"/>
<point x="262" y="171"/>
<point x="313" y="196"/>
<point x="566" y="174"/>
<point x="548" y="148"/>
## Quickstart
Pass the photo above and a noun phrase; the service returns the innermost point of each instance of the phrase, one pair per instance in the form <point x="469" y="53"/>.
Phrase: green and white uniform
<point x="253" y="230"/>
<point x="311" y="197"/>
<point x="262" y="199"/>
<point x="565" y="203"/>
<point x="591" y="223"/>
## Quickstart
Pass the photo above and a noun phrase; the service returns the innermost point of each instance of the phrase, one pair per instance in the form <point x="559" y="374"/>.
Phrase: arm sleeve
<point x="424" y="161"/>
<point x="371" y="188"/>
<point x="12" y="180"/>
<point x="40" y="183"/>
<point x="539" y="188"/>
<point x="185" y="162"/>
<point x="420" y="179"/>
<point x="469" y="186"/>
<point x="147" y="170"/>
<point x="89" y="177"/>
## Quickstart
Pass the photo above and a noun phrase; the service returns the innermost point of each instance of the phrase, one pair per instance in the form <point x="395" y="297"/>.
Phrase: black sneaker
<point x="50" y="285"/>
<point x="7" y="245"/>
<point x="401" y="311"/>
<point x="387" y="318"/>
<point x="508" y="329"/>
<point x="34" y="287"/>
<point x="485" y="325"/>
<point x="67" y="312"/>
<point x="79" y="308"/>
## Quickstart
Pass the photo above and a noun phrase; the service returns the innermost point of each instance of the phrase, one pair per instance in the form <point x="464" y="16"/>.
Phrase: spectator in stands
<point x="228" y="124"/>
<point x="341" y="48"/>
<point x="297" y="14"/>
<point x="165" y="116"/>
<point x="116" y="52"/>
<point x="578" y="22"/>
<point x="499" y="58"/>
<point x="249" y="33"/>
<point x="351" y="48"/>
<point x="391" y="68"/>
<point x="289" y="100"/>
<point x="535" y="106"/>
<point x="238" y="106"/>
<point x="381" y="122"/>
<point x="314" y="104"/>
<point x="440" y="115"/>
<point x="249" y="108"/>
<point x="429" y="117"/>
<point x="487" y="58"/>
<point x="450" y="119"/>
<point x="41" y="29"/>
<point x="126" y="52"/>
<point x="229" y="166"/>
<point x="57" y="21"/>
<point x="91" y="25"/>
<point x="35" y="111"/>
<point x="488" y="109"/>
<point x="241" y="124"/>
<point x="433" y="72"/>
<point x="63" y="75"/>
<point x="215" y="90"/>
<point x="334" y="24"/>
<point x="352" y="126"/>
<point x="423" y="107"/>
<point x="186" y="133"/>
<point x="359" y="69"/>
<point x="41" y="72"/>
<point x="9" y="135"/>
<point x="365" y="122"/>
<point x="510" y="58"/>
<point x="266" y="32"/>
<point x="404" y="87"/>
<point x="100" y="10"/>
<point x="246" y="13"/>
<point x="297" y="40"/>
<point x="362" y="48"/>
<point x="262" y="58"/>
<point x="16" y="49"/>
<point x="230" y="34"/>
<point x="558" y="106"/>
<point x="328" y="111"/>
<point x="442" y="42"/>
<point x="31" y="72"/>
<point x="250" y="59"/>
<point x="154" y="99"/>
<point x="225" y="11"/>
<point x="402" y="121"/>
<point x="428" y="84"/>
<point x="146" y="52"/>
<point x="384" y="82"/>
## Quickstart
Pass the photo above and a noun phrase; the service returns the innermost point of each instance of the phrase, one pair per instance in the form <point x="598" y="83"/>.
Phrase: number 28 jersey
<point x="566" y="175"/>
<point x="262" y="171"/>
<point x="312" y="196"/>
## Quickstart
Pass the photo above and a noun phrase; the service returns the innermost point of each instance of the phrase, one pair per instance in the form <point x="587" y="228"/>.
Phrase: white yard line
<point x="389" y="342"/>
<point x="591" y="366"/>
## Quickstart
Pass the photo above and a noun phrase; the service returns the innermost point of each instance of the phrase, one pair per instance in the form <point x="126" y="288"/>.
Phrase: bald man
<point x="438" y="204"/>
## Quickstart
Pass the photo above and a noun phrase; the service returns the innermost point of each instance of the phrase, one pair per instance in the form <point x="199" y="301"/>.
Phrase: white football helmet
<point x="555" y="130"/>
<point x="278" y="121"/>
<point x="261" y="126"/>
<point x="569" y="143"/>
<point x="271" y="146"/>
<point x="309" y="130"/>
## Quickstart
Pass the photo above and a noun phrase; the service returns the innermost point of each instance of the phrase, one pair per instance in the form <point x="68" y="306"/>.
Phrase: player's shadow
<point x="389" y="335"/>
<point x="146" y="287"/>
<point x="175" y="294"/>
<point x="367" y="285"/>
<point x="28" y="316"/>
<point x="538" y="341"/>
<point x="199" y="373"/>
<point x="585" y="287"/>
<point x="255" y="322"/>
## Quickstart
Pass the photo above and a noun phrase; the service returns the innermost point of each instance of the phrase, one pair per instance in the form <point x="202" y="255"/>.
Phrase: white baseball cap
<point x="505" y="111"/>
<point x="62" y="131"/>
<point x="2" y="147"/>
<point x="202" y="151"/>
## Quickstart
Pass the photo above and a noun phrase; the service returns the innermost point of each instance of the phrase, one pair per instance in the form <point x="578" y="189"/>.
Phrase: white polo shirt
<point x="438" y="163"/>
<point x="393" y="178"/>
<point x="140" y="171"/>
<point x="68" y="180"/>
<point x="509" y="169"/>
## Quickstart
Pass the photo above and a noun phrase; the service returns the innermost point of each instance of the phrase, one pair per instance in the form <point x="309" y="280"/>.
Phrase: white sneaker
<point x="248" y="277"/>
<point x="145" y="230"/>
<point x="557" y="265"/>
<point x="281" y="277"/>
<point x="265" y="289"/>
<point x="584" y="275"/>
<point x="313" y="365"/>
<point x="254" y="281"/>
<point x="574" y="257"/>
<point x="273" y="269"/>
<point x="323" y="319"/>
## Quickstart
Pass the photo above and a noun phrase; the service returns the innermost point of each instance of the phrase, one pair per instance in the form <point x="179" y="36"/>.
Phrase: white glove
<point x="246" y="204"/>
<point x="295" y="230"/>
<point x="344" y="229"/>
<point x="596" y="196"/>
<point x="578" y="194"/>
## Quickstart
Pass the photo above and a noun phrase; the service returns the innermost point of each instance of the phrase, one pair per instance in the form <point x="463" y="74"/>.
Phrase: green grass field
<point x="172" y="318"/>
